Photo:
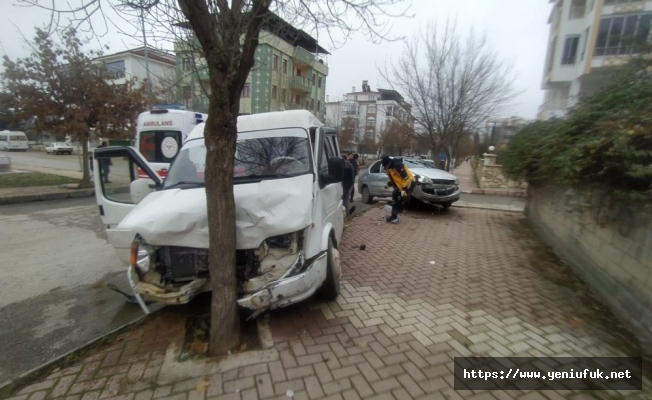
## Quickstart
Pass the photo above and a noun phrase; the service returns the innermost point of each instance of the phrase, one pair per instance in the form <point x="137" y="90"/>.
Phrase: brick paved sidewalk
<point x="494" y="289"/>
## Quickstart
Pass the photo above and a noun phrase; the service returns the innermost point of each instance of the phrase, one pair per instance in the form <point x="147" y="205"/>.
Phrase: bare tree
<point x="69" y="93"/>
<point x="452" y="84"/>
<point x="227" y="34"/>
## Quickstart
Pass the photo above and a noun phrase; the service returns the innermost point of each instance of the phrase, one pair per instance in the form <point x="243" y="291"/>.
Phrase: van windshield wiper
<point x="272" y="175"/>
<point x="193" y="183"/>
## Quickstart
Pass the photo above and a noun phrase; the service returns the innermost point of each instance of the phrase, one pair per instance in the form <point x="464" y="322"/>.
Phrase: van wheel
<point x="330" y="289"/>
<point x="367" y="198"/>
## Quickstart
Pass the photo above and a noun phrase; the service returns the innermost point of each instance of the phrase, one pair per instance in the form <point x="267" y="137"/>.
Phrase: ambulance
<point x="161" y="132"/>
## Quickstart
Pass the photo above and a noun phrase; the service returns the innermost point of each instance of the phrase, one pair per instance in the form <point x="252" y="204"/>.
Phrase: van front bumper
<point x="276" y="294"/>
<point x="289" y="290"/>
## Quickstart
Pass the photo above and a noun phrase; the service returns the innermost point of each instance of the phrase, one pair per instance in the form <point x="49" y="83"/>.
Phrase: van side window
<point x="3" y="138"/>
<point x="323" y="164"/>
<point x="333" y="142"/>
<point x="375" y="169"/>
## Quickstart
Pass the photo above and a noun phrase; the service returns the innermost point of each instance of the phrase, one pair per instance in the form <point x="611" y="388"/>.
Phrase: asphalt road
<point x="43" y="160"/>
<point x="55" y="263"/>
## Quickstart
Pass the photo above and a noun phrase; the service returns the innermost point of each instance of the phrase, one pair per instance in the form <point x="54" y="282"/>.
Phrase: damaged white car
<point x="288" y="195"/>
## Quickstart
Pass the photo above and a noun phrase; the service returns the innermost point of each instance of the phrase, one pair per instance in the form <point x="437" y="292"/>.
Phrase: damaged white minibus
<point x="289" y="220"/>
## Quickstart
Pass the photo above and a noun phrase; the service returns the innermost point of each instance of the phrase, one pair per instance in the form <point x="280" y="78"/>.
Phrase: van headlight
<point x="142" y="255"/>
<point x="457" y="182"/>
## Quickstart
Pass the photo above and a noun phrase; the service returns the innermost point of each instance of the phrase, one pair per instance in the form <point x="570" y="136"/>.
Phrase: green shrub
<point x="604" y="142"/>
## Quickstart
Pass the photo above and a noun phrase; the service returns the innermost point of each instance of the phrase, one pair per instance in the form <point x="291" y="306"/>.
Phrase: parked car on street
<point x="288" y="195"/>
<point x="436" y="186"/>
<point x="59" y="148"/>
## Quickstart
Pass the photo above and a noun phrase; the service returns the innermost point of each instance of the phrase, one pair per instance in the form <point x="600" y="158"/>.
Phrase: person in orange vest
<point x="403" y="182"/>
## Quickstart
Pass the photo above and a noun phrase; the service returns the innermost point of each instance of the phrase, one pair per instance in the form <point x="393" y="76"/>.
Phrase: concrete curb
<point x="34" y="372"/>
<point x="498" y="192"/>
<point x="29" y="198"/>
<point x="491" y="207"/>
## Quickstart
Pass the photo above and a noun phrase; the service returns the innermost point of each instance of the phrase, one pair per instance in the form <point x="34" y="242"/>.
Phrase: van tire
<point x="330" y="288"/>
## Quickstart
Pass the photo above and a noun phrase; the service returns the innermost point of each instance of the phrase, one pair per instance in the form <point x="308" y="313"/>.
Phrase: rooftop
<point x="152" y="54"/>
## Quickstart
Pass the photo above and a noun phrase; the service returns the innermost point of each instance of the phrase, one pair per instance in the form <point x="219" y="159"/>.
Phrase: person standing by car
<point x="403" y="182"/>
<point x="353" y="159"/>
<point x="347" y="185"/>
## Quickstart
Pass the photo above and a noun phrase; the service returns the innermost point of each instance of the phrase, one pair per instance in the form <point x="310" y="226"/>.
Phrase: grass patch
<point x="27" y="179"/>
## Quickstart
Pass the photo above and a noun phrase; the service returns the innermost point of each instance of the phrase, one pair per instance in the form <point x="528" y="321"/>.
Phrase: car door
<point x="376" y="180"/>
<point x="117" y="197"/>
<point x="383" y="178"/>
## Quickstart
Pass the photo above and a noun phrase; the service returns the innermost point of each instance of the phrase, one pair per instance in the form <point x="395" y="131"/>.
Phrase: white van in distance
<point x="160" y="133"/>
<point x="288" y="208"/>
<point x="13" y="141"/>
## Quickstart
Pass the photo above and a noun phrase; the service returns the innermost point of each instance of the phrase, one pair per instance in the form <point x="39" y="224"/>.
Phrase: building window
<point x="570" y="50"/>
<point x="586" y="41"/>
<point x="187" y="92"/>
<point x="319" y="82"/>
<point x="350" y="109"/>
<point x="622" y="34"/>
<point x="389" y="111"/>
<point x="371" y="109"/>
<point x="186" y="64"/>
<point x="275" y="62"/>
<point x="314" y="77"/>
<point x="608" y="2"/>
<point x="285" y="66"/>
<point x="274" y="94"/>
<point x="371" y="122"/>
<point x="318" y="106"/>
<point x="116" y="69"/>
<point x="298" y="72"/>
<point x="246" y="90"/>
<point x="577" y="9"/>
<point x="283" y="95"/>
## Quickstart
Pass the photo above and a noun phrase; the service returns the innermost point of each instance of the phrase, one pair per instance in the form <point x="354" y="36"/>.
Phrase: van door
<point x="329" y="195"/>
<point x="118" y="189"/>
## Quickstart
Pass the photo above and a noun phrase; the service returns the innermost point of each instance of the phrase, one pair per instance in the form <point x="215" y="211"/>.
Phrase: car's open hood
<point x="177" y="217"/>
<point x="433" y="173"/>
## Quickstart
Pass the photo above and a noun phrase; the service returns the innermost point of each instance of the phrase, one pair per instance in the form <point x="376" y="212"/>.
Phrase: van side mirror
<point x="335" y="170"/>
<point x="139" y="189"/>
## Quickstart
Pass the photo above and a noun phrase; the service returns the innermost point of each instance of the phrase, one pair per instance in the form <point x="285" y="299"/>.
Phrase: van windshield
<point x="260" y="156"/>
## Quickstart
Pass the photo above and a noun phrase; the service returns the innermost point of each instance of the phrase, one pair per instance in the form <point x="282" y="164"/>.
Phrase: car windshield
<point x="260" y="155"/>
<point x="412" y="163"/>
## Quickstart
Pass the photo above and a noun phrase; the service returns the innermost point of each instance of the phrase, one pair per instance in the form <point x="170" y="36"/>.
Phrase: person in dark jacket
<point x="353" y="159"/>
<point x="347" y="185"/>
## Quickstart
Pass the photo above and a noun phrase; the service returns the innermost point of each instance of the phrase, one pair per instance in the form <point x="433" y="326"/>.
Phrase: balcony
<point x="301" y="83"/>
<point x="554" y="105"/>
<point x="303" y="56"/>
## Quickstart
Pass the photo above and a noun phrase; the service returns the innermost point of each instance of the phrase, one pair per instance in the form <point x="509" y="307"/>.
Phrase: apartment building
<point x="371" y="110"/>
<point x="132" y="63"/>
<point x="289" y="73"/>
<point x="587" y="39"/>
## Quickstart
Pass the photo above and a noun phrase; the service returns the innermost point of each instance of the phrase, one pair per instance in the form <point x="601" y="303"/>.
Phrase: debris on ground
<point x="362" y="247"/>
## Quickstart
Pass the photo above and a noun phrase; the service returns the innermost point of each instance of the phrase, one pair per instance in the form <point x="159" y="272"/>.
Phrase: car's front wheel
<point x="367" y="198"/>
<point x="330" y="289"/>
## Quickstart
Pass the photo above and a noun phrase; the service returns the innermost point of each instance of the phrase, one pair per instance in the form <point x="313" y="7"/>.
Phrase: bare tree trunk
<point x="220" y="137"/>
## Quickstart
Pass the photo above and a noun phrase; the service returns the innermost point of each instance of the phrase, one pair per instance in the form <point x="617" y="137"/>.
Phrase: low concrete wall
<point x="491" y="175"/>
<point x="610" y="249"/>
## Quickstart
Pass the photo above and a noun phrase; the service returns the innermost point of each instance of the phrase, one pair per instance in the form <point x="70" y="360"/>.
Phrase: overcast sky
<point x="516" y="29"/>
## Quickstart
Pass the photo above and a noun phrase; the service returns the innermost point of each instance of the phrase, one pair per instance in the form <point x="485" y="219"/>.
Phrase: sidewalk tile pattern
<point x="493" y="289"/>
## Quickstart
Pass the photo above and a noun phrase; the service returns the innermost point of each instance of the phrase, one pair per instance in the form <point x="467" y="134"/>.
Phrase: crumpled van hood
<point x="177" y="217"/>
